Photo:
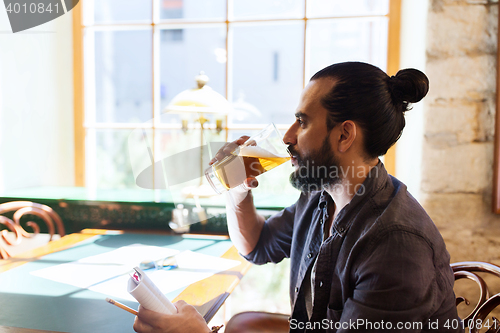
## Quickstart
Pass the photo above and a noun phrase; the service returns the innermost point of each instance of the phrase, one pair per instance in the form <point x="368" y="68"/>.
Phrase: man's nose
<point x="290" y="137"/>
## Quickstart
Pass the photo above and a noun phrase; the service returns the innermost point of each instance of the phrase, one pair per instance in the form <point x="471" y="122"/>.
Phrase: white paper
<point x="148" y="295"/>
<point x="92" y="270"/>
<point x="107" y="273"/>
<point x="193" y="267"/>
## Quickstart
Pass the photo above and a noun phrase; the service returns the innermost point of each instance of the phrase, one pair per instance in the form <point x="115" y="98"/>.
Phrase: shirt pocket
<point x="333" y="315"/>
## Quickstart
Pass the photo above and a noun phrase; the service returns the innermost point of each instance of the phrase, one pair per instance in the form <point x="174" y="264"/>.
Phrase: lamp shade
<point x="199" y="100"/>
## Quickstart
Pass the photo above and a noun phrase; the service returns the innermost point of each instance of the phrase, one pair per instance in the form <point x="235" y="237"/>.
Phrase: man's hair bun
<point x="408" y="86"/>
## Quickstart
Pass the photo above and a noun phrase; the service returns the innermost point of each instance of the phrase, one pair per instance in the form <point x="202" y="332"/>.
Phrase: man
<point x="364" y="254"/>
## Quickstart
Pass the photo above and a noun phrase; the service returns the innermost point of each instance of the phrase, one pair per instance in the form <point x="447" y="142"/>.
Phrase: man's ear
<point x="348" y="133"/>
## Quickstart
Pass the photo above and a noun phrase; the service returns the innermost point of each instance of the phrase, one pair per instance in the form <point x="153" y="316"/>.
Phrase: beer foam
<point x="256" y="151"/>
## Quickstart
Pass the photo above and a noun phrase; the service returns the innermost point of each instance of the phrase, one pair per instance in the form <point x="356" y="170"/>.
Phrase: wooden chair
<point x="486" y="303"/>
<point x="21" y="208"/>
<point x="258" y="322"/>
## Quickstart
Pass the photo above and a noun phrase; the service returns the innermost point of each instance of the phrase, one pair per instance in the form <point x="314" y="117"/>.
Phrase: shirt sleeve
<point x="275" y="238"/>
<point x="397" y="287"/>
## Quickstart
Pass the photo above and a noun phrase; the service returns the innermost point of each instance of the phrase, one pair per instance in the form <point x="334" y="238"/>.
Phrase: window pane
<point x="267" y="72"/>
<point x="331" y="41"/>
<point x="170" y="142"/>
<point x="187" y="51"/>
<point x="109" y="11"/>
<point x="265" y="9"/>
<point x="326" y="8"/>
<point x="113" y="167"/>
<point x="123" y="76"/>
<point x="193" y="9"/>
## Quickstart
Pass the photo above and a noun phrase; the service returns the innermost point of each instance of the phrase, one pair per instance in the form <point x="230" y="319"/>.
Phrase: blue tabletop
<point x="29" y="301"/>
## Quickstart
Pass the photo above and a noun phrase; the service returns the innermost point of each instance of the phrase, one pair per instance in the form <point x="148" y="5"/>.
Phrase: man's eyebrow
<point x="300" y="115"/>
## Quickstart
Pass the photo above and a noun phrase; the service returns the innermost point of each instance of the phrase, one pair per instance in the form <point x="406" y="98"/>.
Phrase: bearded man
<point x="364" y="254"/>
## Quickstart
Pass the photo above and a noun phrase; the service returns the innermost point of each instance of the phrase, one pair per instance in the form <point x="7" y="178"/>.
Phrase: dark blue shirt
<point x="384" y="267"/>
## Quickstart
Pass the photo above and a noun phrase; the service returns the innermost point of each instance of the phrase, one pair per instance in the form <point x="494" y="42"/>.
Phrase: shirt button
<point x="310" y="255"/>
<point x="296" y="289"/>
<point x="320" y="221"/>
<point x="320" y="284"/>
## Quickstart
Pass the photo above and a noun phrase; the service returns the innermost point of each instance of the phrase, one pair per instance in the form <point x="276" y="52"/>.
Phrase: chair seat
<point x="258" y="322"/>
<point x="28" y="243"/>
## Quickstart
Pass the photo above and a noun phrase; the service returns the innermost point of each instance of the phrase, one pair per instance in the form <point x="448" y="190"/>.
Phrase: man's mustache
<point x="294" y="153"/>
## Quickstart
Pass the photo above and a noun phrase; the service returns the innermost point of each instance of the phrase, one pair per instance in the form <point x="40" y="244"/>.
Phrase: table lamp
<point x="200" y="101"/>
<point x="201" y="105"/>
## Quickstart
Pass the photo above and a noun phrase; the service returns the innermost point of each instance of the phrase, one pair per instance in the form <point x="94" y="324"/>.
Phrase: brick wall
<point x="459" y="127"/>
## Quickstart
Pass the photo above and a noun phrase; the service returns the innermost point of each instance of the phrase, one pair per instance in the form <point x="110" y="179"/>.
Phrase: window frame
<point x="80" y="127"/>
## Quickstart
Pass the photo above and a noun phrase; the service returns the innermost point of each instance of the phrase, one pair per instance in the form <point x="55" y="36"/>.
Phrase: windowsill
<point x="128" y="209"/>
<point x="75" y="194"/>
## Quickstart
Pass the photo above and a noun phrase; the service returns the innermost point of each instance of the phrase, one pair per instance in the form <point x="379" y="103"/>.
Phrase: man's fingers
<point x="225" y="151"/>
<point x="183" y="306"/>
<point x="242" y="140"/>
<point x="252" y="143"/>
<point x="180" y="304"/>
<point x="187" y="319"/>
<point x="141" y="327"/>
<point x="251" y="183"/>
<point x="149" y="317"/>
<point x="228" y="148"/>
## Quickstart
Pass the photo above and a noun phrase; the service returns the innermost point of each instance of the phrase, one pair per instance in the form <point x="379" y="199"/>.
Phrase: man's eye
<point x="300" y="121"/>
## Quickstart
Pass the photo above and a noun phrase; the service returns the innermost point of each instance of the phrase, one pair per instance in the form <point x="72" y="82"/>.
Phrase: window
<point x="132" y="57"/>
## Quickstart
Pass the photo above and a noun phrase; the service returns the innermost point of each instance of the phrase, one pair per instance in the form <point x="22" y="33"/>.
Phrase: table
<point x="30" y="302"/>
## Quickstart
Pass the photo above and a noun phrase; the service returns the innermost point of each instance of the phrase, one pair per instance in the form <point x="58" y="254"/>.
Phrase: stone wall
<point x="459" y="127"/>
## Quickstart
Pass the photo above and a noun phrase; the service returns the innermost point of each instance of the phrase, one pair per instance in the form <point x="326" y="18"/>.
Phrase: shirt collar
<point x="375" y="180"/>
<point x="323" y="199"/>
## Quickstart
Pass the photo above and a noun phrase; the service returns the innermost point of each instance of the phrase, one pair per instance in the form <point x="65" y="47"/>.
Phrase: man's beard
<point x="317" y="170"/>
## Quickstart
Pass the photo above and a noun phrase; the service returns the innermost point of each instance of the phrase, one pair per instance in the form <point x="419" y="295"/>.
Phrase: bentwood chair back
<point x="21" y="208"/>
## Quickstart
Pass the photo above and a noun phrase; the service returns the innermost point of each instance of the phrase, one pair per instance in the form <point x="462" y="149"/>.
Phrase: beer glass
<point x="260" y="153"/>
